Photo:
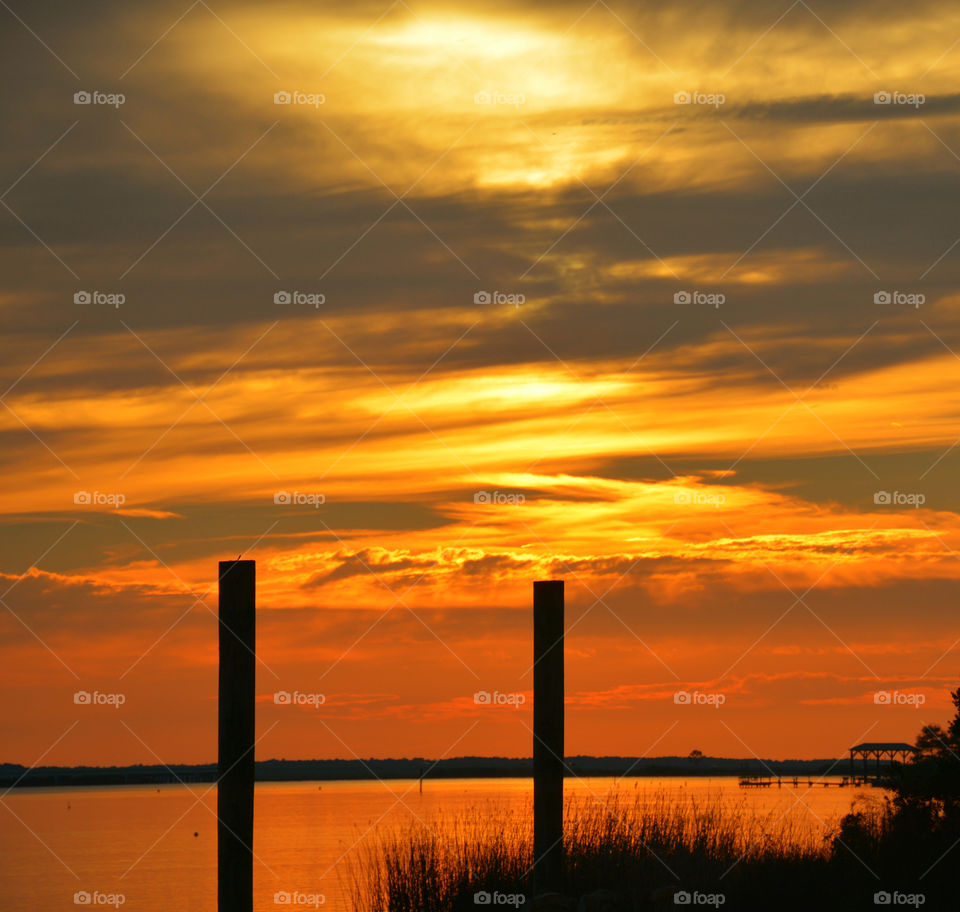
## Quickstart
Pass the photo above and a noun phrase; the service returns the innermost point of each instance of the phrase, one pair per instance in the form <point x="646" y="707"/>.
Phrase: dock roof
<point x="883" y="746"/>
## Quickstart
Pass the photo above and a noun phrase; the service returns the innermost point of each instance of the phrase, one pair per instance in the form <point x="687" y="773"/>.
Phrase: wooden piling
<point x="548" y="736"/>
<point x="235" y="756"/>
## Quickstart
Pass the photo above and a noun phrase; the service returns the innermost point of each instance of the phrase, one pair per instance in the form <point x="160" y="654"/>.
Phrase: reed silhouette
<point x="626" y="855"/>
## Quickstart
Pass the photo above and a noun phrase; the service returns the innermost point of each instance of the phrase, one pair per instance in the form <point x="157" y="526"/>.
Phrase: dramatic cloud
<point x="417" y="304"/>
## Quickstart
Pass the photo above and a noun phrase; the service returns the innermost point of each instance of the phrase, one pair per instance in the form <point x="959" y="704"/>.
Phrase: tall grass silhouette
<point x="641" y="846"/>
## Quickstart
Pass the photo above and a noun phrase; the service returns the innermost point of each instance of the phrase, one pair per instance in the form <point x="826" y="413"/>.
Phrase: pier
<point x="884" y="755"/>
<point x="796" y="782"/>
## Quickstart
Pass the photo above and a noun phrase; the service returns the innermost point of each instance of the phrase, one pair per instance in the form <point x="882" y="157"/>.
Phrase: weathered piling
<point x="235" y="755"/>
<point x="548" y="735"/>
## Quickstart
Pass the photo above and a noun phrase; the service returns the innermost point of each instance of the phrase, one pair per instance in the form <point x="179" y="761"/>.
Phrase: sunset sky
<point x="484" y="248"/>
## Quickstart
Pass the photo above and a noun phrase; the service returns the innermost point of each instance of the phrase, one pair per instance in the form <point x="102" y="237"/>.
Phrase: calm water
<point x="157" y="845"/>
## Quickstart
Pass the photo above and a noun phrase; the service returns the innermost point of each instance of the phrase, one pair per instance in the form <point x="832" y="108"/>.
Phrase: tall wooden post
<point x="235" y="768"/>
<point x="548" y="736"/>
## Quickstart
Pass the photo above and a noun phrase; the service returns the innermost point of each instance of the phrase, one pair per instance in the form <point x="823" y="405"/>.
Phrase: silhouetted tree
<point x="914" y="843"/>
<point x="930" y="782"/>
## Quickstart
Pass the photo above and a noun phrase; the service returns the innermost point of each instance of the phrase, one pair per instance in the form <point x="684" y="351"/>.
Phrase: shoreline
<point x="14" y="776"/>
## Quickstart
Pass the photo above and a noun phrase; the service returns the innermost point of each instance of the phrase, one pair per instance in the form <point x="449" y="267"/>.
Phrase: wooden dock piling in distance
<point x="236" y="735"/>
<point x="548" y="688"/>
